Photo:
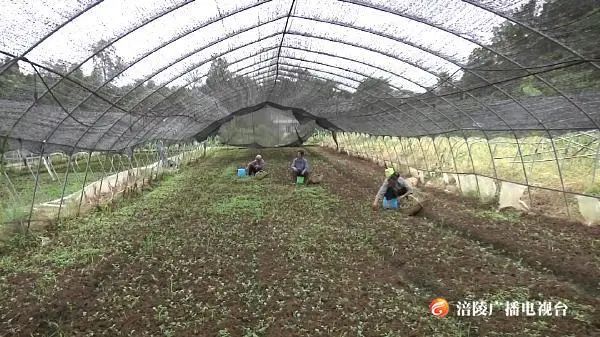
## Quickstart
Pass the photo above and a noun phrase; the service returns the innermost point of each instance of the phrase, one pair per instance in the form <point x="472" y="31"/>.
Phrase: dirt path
<point x="208" y="254"/>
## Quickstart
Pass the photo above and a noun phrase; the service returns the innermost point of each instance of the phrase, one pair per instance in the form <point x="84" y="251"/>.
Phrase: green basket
<point x="299" y="180"/>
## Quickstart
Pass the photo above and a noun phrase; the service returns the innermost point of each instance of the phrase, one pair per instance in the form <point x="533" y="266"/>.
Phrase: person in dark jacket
<point x="255" y="166"/>
<point x="392" y="189"/>
<point x="300" y="167"/>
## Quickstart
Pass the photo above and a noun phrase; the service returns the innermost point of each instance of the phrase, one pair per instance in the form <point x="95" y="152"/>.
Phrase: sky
<point x="192" y="36"/>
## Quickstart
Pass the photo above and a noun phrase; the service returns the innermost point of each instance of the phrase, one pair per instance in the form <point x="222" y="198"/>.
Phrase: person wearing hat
<point x="393" y="188"/>
<point x="255" y="166"/>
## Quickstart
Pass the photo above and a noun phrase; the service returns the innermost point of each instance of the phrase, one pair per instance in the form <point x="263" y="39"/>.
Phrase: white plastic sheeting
<point x="589" y="207"/>
<point x="470" y="184"/>
<point x="510" y="195"/>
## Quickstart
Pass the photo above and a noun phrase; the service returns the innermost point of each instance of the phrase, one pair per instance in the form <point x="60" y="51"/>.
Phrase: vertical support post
<point x="372" y="152"/>
<point x="35" y="187"/>
<point x="424" y="154"/>
<point x="460" y="185"/>
<point x="150" y="162"/>
<point x="412" y="152"/>
<point x="520" y="152"/>
<point x="373" y="141"/>
<point x="359" y="150"/>
<point x="358" y="145"/>
<point x="487" y="141"/>
<point x="112" y="163"/>
<point x="472" y="166"/>
<point x="369" y="147"/>
<point x="535" y="153"/>
<point x="345" y="142"/>
<point x="595" y="166"/>
<point x="397" y="157"/>
<point x="100" y="161"/>
<point x="104" y="175"/>
<point x="387" y="157"/>
<point x="560" y="175"/>
<point x="87" y="166"/>
<point x="64" y="187"/>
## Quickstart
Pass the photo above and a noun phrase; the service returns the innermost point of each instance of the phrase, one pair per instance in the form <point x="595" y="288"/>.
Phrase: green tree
<point x="107" y="63"/>
<point x="370" y="94"/>
<point x="574" y="25"/>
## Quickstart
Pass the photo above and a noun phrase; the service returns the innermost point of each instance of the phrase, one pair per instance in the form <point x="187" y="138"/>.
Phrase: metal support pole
<point x="387" y="157"/>
<point x="368" y="150"/>
<point x="373" y="141"/>
<point x="345" y="142"/>
<point x="112" y="163"/>
<point x="424" y="154"/>
<point x="112" y="195"/>
<point x="11" y="188"/>
<point x="519" y="151"/>
<point x="562" y="182"/>
<point x="103" y="171"/>
<point x="361" y="145"/>
<point x="150" y="163"/>
<point x="472" y="166"/>
<point x="35" y="187"/>
<point x="487" y="141"/>
<point x="412" y="152"/>
<point x="87" y="166"/>
<point x="370" y="147"/>
<point x="104" y="175"/>
<point x="372" y="152"/>
<point x="358" y="145"/>
<point x="64" y="187"/>
<point x="454" y="163"/>
<point x="596" y="160"/>
<point x="378" y="144"/>
<point x="395" y="141"/>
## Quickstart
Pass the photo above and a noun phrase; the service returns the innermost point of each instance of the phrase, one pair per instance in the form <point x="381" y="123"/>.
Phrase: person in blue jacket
<point x="300" y="167"/>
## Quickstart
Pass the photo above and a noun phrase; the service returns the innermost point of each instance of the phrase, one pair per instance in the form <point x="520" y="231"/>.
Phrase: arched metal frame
<point x="283" y="70"/>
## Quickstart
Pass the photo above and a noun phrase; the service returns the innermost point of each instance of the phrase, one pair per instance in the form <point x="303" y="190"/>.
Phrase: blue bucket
<point x="390" y="203"/>
<point x="241" y="172"/>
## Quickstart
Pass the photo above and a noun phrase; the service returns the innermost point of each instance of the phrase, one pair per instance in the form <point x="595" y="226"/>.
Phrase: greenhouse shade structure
<point x="110" y="76"/>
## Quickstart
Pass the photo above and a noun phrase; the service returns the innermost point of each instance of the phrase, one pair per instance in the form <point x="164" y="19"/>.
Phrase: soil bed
<point x="209" y="254"/>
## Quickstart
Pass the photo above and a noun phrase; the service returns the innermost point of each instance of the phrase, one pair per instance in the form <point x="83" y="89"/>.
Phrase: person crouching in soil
<point x="255" y="166"/>
<point x="392" y="190"/>
<point x="300" y="167"/>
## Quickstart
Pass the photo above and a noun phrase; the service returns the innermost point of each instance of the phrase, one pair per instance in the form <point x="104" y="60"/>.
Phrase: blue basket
<point x="241" y="172"/>
<point x="390" y="203"/>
